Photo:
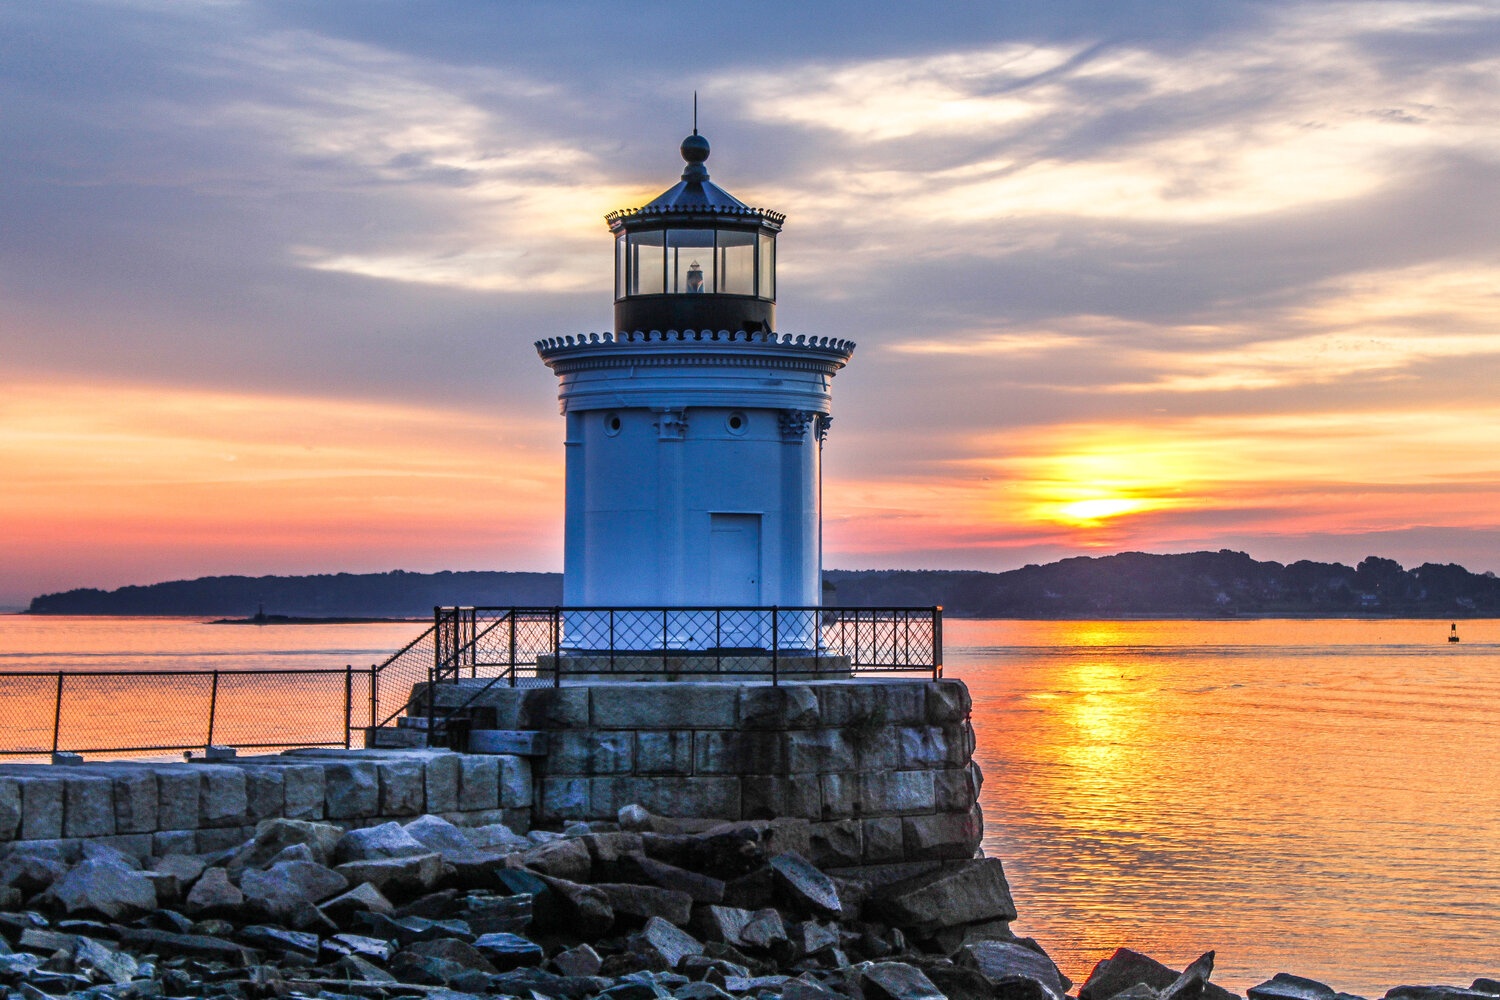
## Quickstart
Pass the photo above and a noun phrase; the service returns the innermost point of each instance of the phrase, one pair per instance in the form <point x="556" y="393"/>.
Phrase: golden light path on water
<point x="1316" y="797"/>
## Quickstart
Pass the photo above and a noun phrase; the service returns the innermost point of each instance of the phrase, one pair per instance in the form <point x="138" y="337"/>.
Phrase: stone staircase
<point x="470" y="730"/>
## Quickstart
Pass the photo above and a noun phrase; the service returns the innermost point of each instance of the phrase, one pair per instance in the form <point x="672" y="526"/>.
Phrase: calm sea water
<point x="1320" y="797"/>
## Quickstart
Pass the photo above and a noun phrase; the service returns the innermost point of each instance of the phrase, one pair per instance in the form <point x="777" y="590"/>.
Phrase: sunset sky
<point x="1123" y="275"/>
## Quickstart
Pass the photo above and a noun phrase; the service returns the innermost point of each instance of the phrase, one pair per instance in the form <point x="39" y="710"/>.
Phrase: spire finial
<point x="695" y="112"/>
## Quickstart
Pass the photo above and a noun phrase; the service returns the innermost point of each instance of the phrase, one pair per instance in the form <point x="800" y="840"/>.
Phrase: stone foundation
<point x="882" y="768"/>
<point x="152" y="809"/>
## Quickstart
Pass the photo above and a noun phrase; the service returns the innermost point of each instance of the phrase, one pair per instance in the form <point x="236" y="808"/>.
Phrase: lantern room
<point x="695" y="258"/>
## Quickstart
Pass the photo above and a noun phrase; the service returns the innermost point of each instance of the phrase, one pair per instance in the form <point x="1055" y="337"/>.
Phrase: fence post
<point x="556" y="651"/>
<point x="431" y="708"/>
<point x="57" y="712"/>
<point x="213" y="706"/>
<point x="937" y="642"/>
<point x="374" y="700"/>
<point x="718" y="641"/>
<point x="348" y="701"/>
<point x="775" y="651"/>
<point x="664" y="641"/>
<point x="611" y="614"/>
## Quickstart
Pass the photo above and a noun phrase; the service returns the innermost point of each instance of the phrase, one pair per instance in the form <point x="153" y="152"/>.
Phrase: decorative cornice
<point x="595" y="362"/>
<point x="621" y="216"/>
<point x="552" y="345"/>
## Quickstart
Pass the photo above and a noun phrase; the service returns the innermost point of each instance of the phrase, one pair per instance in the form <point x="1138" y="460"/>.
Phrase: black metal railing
<point x="533" y="646"/>
<point x="160" y="711"/>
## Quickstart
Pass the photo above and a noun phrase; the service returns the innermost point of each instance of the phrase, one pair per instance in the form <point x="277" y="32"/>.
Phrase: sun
<point x="1094" y="511"/>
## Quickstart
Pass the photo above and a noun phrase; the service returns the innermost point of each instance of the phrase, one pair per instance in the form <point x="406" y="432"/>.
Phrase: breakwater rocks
<point x="643" y="908"/>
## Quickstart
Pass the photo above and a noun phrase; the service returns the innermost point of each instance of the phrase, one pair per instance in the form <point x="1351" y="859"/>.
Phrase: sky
<point x="1123" y="275"/>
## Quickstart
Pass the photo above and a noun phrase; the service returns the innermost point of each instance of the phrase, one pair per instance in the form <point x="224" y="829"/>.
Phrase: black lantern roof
<point x="695" y="196"/>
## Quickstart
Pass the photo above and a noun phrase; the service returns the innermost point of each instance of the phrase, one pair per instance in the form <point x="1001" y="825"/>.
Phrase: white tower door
<point x="734" y="560"/>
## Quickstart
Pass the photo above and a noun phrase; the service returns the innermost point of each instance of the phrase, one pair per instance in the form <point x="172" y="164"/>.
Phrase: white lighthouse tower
<point x="695" y="430"/>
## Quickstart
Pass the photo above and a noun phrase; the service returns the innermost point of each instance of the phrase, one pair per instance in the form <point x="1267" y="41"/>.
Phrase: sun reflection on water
<point x="1300" y="796"/>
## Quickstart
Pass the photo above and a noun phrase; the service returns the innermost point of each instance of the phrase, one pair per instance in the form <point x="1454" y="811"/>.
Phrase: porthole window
<point x="612" y="424"/>
<point x="737" y="423"/>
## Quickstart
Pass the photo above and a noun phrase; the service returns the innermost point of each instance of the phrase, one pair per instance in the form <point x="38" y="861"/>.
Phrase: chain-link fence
<point x="528" y="646"/>
<point x="159" y="711"/>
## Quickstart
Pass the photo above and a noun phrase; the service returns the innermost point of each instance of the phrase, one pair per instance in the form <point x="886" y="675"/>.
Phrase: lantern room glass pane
<point x="690" y="261"/>
<point x="767" y="266"/>
<point x="620" y="277"/>
<point x="736" y="263"/>
<point x="645" y="264"/>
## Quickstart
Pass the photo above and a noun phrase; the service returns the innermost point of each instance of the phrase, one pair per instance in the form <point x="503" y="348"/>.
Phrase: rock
<point x="186" y="868"/>
<point x="388" y="840"/>
<point x="1482" y="985"/>
<point x="649" y="871"/>
<point x="407" y="875"/>
<point x="562" y="859"/>
<point x="1126" y="968"/>
<point x="408" y="931"/>
<point x="647" y="901"/>
<point x="803" y="887"/>
<point x="29" y="873"/>
<point x="665" y="942"/>
<point x="962" y="894"/>
<point x="708" y="991"/>
<point x="365" y="947"/>
<point x="168" y="944"/>
<point x="453" y="950"/>
<point x="93" y="850"/>
<point x="512" y="951"/>
<point x="103" y="887"/>
<point x="521" y="982"/>
<point x="213" y="895"/>
<point x="498" y="914"/>
<point x="1435" y="993"/>
<point x="755" y="984"/>
<point x="273" y="836"/>
<point x="811" y="938"/>
<point x="496" y="837"/>
<point x="363" y="898"/>
<point x="763" y="930"/>
<point x="437" y="834"/>
<point x="634" y="818"/>
<point x="580" y="961"/>
<point x="582" y="910"/>
<point x="731" y="850"/>
<point x="1000" y="960"/>
<point x="958" y="983"/>
<point x="363" y="970"/>
<point x="1190" y="984"/>
<point x="46" y="942"/>
<point x="281" y="889"/>
<point x="949" y="940"/>
<point x="293" y="852"/>
<point x="720" y="923"/>
<point x="896" y="981"/>
<point x="277" y="939"/>
<point x="19" y="965"/>
<point x="103" y="964"/>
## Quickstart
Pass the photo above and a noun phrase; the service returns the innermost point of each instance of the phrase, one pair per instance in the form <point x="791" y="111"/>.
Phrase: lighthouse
<point x="695" y="430"/>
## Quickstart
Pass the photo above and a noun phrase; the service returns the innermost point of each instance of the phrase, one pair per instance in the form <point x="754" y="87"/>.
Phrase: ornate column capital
<point x="794" y="423"/>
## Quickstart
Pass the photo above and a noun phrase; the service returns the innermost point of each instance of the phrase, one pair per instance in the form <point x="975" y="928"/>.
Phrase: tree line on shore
<point x="1128" y="584"/>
